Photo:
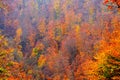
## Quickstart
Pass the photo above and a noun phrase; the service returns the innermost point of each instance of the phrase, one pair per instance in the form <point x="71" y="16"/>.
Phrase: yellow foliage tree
<point x="18" y="34"/>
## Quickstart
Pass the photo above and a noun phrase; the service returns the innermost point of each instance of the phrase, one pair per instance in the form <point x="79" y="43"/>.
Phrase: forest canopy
<point x="59" y="39"/>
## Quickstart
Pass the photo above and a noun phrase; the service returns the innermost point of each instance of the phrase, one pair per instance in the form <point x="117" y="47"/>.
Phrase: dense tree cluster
<point x="59" y="40"/>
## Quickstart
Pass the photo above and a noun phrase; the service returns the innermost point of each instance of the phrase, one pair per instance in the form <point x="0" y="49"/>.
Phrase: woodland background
<point x="59" y="40"/>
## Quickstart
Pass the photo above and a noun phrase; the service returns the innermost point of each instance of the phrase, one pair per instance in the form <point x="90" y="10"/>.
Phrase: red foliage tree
<point x="112" y="2"/>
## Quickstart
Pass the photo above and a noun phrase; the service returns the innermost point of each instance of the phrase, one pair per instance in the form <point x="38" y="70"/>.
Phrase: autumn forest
<point x="59" y="39"/>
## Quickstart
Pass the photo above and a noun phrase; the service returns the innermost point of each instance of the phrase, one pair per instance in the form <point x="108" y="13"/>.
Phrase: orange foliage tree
<point x="5" y="56"/>
<point x="10" y="68"/>
<point x="107" y="58"/>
